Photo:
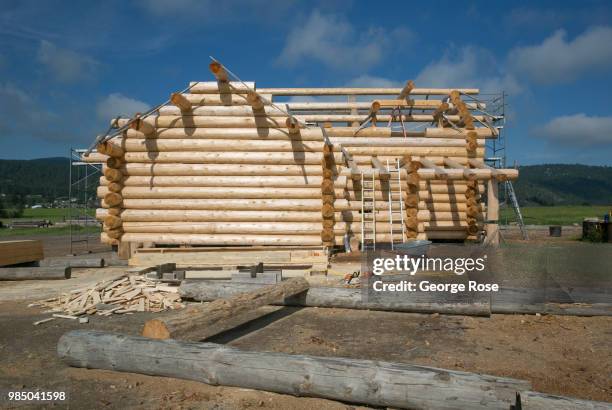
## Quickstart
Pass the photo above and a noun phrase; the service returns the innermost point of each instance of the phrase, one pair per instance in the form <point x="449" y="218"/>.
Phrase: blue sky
<point x="67" y="67"/>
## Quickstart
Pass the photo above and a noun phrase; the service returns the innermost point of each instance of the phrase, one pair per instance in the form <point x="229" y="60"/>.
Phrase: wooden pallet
<point x="13" y="252"/>
<point x="313" y="257"/>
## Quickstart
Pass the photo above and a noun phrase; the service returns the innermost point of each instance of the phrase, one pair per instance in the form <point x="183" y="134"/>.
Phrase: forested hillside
<point x="554" y="184"/>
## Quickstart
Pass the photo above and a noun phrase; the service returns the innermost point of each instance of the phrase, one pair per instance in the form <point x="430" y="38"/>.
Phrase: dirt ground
<point x="560" y="355"/>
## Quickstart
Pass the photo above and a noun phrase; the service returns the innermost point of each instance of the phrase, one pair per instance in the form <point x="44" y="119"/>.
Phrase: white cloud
<point x="469" y="67"/>
<point x="66" y="65"/>
<point x="577" y="130"/>
<point x="333" y="41"/>
<point x="117" y="104"/>
<point x="557" y="60"/>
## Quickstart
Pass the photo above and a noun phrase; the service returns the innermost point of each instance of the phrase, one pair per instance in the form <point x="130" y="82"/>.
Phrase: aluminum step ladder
<point x="517" y="209"/>
<point x="396" y="213"/>
<point x="368" y="213"/>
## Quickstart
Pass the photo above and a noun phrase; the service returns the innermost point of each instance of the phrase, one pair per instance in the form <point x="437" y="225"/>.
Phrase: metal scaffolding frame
<point x="84" y="176"/>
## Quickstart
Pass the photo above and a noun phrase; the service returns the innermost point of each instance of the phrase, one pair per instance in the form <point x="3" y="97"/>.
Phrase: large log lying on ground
<point x="193" y="322"/>
<point x="45" y="273"/>
<point x="370" y="382"/>
<point x="347" y="298"/>
<point x="531" y="400"/>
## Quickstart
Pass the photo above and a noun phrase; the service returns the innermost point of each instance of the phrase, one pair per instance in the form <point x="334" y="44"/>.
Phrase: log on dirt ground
<point x="374" y="383"/>
<point x="35" y="273"/>
<point x="193" y="322"/>
<point x="530" y="400"/>
<point x="347" y="298"/>
<point x="74" y="263"/>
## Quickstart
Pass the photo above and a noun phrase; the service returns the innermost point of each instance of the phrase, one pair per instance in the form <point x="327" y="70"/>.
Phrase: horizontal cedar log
<point x="251" y="170"/>
<point x="244" y="204"/>
<point x="446" y="235"/>
<point x="195" y="118"/>
<point x="333" y="109"/>
<point x="305" y="171"/>
<point x="195" y="192"/>
<point x="361" y="91"/>
<point x="173" y="215"/>
<point x="196" y="321"/>
<point x="265" y="215"/>
<point x="94" y="158"/>
<point x="283" y="158"/>
<point x="257" y="228"/>
<point x="221" y="99"/>
<point x="427" y="216"/>
<point x="458" y="186"/>
<point x="221" y="239"/>
<point x="343" y="298"/>
<point x="241" y="181"/>
<point x="224" y="87"/>
<point x="374" y="383"/>
<point x="35" y="273"/>
<point x="383" y="145"/>
<point x="305" y="134"/>
<point x="260" y="228"/>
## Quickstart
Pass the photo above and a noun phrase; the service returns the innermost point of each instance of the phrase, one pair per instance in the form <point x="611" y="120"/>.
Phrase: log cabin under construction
<point x="225" y="164"/>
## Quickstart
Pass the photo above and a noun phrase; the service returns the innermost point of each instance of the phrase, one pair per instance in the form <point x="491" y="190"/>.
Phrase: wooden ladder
<point x="396" y="216"/>
<point x="368" y="213"/>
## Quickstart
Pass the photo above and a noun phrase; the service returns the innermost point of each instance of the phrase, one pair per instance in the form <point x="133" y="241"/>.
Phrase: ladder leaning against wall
<point x="396" y="213"/>
<point x="368" y="212"/>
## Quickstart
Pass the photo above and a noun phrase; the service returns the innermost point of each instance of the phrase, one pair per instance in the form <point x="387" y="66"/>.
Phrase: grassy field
<point x="60" y="230"/>
<point x="55" y="215"/>
<point x="52" y="214"/>
<point x="554" y="215"/>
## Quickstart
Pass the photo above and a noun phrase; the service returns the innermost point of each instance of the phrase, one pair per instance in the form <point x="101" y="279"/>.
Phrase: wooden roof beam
<point x="403" y="95"/>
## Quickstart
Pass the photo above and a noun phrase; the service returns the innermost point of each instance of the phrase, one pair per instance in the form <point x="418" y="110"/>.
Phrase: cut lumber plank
<point x="35" y="273"/>
<point x="375" y="383"/>
<point x="347" y="298"/>
<point x="192" y="322"/>
<point x="14" y="252"/>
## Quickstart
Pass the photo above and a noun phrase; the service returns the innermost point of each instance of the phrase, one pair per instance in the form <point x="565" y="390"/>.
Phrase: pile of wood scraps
<point x="123" y="294"/>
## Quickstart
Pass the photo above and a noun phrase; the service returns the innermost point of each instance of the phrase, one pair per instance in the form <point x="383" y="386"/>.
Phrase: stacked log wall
<point x="223" y="172"/>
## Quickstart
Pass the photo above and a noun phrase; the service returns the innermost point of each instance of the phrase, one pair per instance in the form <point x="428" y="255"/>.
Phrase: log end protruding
<point x="180" y="101"/>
